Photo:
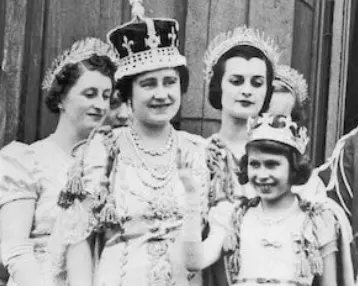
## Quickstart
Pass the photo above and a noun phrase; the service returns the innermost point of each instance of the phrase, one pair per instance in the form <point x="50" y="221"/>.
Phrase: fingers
<point x="183" y="160"/>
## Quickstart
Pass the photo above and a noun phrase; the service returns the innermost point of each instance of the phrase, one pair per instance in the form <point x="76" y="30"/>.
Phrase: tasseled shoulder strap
<point x="311" y="261"/>
<point x="223" y="171"/>
<point x="231" y="247"/>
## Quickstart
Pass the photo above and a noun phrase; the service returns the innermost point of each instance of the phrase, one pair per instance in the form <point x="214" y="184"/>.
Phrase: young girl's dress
<point x="287" y="250"/>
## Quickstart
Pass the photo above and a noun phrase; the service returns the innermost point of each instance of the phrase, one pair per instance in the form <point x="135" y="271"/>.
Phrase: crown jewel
<point x="240" y="36"/>
<point x="79" y="51"/>
<point x="293" y="80"/>
<point x="279" y="128"/>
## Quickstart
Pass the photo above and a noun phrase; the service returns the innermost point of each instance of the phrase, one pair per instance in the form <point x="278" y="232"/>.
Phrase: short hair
<point x="70" y="73"/>
<point x="125" y="84"/>
<point x="247" y="52"/>
<point x="300" y="168"/>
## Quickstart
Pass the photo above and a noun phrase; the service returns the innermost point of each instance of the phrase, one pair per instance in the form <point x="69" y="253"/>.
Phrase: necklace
<point x="153" y="152"/>
<point x="262" y="216"/>
<point x="156" y="179"/>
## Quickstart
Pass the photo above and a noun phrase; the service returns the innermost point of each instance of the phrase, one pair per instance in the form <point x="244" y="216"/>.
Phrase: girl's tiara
<point x="80" y="51"/>
<point x="240" y="36"/>
<point x="279" y="128"/>
<point x="293" y="80"/>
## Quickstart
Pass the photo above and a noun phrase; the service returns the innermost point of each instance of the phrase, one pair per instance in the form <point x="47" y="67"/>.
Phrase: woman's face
<point x="282" y="101"/>
<point x="244" y="87"/>
<point x="87" y="102"/>
<point x="118" y="115"/>
<point x="156" y="96"/>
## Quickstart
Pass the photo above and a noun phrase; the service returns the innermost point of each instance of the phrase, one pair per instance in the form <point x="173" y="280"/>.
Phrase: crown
<point x="293" y="80"/>
<point x="240" y="36"/>
<point x="145" y="44"/>
<point x="80" y="51"/>
<point x="279" y="128"/>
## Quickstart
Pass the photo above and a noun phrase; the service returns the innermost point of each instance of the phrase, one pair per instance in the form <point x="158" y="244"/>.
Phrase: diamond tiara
<point x="293" y="80"/>
<point x="79" y="51"/>
<point x="240" y="36"/>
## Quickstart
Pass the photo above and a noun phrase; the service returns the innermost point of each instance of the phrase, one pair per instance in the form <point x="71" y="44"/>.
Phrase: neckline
<point x="287" y="213"/>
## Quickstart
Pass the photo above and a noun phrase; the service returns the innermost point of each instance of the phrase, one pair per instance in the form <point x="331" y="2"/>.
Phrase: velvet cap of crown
<point x="146" y="44"/>
<point x="278" y="128"/>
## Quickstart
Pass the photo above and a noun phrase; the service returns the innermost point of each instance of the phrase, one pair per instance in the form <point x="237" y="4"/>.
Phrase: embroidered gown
<point x="145" y="248"/>
<point x="35" y="172"/>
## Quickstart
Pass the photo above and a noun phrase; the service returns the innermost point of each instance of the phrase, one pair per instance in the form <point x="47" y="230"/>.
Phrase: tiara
<point x="294" y="80"/>
<point x="240" y="36"/>
<point x="79" y="51"/>
<point x="279" y="128"/>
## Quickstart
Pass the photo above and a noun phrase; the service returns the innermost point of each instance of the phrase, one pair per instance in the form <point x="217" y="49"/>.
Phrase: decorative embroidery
<point x="224" y="170"/>
<point x="161" y="270"/>
<point x="307" y="244"/>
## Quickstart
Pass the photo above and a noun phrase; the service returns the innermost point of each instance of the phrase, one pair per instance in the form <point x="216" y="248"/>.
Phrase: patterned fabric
<point x="143" y="244"/>
<point x="38" y="172"/>
<point x="289" y="248"/>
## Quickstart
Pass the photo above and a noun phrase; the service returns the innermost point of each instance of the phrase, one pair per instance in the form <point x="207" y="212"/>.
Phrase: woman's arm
<point x="200" y="254"/>
<point x="79" y="264"/>
<point x="17" y="248"/>
<point x="329" y="276"/>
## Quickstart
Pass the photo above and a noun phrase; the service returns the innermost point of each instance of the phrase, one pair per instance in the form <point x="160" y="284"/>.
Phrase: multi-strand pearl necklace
<point x="154" y="152"/>
<point x="162" y="178"/>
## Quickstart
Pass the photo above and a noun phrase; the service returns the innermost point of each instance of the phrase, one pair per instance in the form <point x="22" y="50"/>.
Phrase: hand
<point x="185" y="172"/>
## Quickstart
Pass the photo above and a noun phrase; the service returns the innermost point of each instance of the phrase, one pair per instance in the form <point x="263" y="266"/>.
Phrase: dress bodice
<point x="147" y="247"/>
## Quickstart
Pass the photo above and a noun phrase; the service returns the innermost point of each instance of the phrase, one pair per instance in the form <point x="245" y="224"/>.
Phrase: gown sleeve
<point x="18" y="169"/>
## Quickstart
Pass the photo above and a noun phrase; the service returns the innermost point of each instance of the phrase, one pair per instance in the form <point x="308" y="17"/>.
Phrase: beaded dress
<point x="141" y="216"/>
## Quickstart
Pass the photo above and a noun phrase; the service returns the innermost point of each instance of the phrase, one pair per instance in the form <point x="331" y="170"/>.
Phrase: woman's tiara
<point x="240" y="36"/>
<point x="294" y="80"/>
<point x="79" y="51"/>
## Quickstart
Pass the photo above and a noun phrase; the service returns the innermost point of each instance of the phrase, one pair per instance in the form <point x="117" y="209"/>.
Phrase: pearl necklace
<point x="162" y="179"/>
<point x="153" y="152"/>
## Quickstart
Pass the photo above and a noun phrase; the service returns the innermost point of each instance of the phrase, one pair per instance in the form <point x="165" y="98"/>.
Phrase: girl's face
<point x="269" y="174"/>
<point x="118" y="115"/>
<point x="282" y="101"/>
<point x="244" y="87"/>
<point x="87" y="102"/>
<point x="156" y="96"/>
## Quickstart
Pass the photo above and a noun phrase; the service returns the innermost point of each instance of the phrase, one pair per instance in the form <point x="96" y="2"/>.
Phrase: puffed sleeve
<point x="18" y="169"/>
<point x="327" y="232"/>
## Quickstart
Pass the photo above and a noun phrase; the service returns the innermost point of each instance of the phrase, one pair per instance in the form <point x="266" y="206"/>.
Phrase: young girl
<point x="275" y="238"/>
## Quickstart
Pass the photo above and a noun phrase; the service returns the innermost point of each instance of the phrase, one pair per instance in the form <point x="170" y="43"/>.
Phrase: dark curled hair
<point x="69" y="75"/>
<point x="124" y="85"/>
<point x="246" y="52"/>
<point x="300" y="168"/>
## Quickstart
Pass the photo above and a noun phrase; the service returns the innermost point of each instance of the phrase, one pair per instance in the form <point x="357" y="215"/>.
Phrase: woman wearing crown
<point x="79" y="86"/>
<point x="277" y="237"/>
<point x="126" y="197"/>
